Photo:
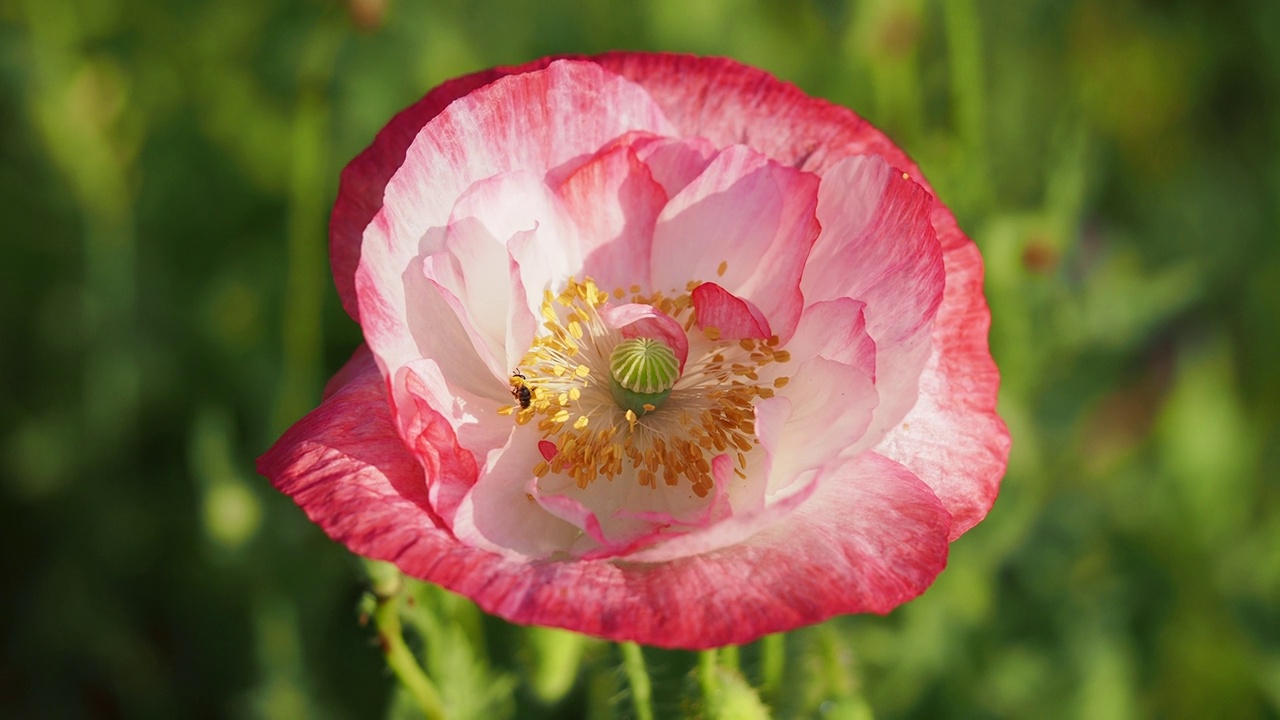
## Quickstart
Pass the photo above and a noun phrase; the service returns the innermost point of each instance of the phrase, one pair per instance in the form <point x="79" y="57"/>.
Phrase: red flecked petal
<point x="871" y="538"/>
<point x="878" y="247"/>
<point x="535" y="121"/>
<point x="451" y="470"/>
<point x="953" y="438"/>
<point x="639" y="320"/>
<point x="729" y="103"/>
<point x="733" y="317"/>
<point x="346" y="466"/>
<point x="964" y="444"/>
<point x="615" y="202"/>
<point x="747" y="224"/>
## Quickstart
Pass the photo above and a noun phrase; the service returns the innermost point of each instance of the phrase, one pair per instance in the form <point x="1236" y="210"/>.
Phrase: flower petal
<point x="878" y="246"/>
<point x="729" y="103"/>
<point x="746" y="223"/>
<point x="499" y="514"/>
<point x="346" y="466"/>
<point x="446" y="429"/>
<point x="733" y="317"/>
<point x="639" y="320"/>
<point x="614" y="200"/>
<point x="536" y="121"/>
<point x="953" y="438"/>
<point x="675" y="162"/>
<point x="831" y="407"/>
<point x="364" y="179"/>
<point x="836" y="330"/>
<point x="871" y="537"/>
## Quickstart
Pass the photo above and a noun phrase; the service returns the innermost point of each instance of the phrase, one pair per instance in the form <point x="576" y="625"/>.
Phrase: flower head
<point x="658" y="348"/>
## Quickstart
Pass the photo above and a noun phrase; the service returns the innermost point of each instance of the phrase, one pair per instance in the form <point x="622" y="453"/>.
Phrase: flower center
<point x="616" y="406"/>
<point x="642" y="372"/>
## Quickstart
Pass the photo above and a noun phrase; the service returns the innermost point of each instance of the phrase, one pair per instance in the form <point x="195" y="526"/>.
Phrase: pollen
<point x="657" y="443"/>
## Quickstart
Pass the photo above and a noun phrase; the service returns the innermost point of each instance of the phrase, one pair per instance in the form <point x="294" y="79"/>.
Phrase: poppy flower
<point x="657" y="348"/>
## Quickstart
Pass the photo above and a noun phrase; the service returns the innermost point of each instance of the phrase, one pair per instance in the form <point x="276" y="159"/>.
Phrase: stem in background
<point x="773" y="657"/>
<point x="308" y="188"/>
<point x="710" y="683"/>
<point x="638" y="677"/>
<point x="729" y="657"/>
<point x="400" y="659"/>
<point x="968" y="91"/>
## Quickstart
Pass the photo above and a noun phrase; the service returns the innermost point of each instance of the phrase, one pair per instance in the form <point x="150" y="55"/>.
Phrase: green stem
<point x="638" y="676"/>
<point x="773" y="657"/>
<point x="308" y="190"/>
<point x="729" y="657"/>
<point x="400" y="658"/>
<point x="968" y="91"/>
<point x="710" y="682"/>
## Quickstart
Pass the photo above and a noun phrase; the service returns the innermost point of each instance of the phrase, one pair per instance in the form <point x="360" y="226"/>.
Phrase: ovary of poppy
<point x="754" y="344"/>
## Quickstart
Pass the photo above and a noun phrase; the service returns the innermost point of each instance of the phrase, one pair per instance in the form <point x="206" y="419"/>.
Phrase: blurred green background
<point x="166" y="172"/>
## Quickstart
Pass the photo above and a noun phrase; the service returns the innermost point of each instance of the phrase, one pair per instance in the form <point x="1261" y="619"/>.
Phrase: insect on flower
<point x="520" y="390"/>
<point x="744" y="345"/>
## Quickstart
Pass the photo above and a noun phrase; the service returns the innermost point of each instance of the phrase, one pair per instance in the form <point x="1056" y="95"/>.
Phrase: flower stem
<point x="638" y="676"/>
<point x="710" y="683"/>
<point x="773" y="657"/>
<point x="729" y="656"/>
<point x="399" y="658"/>
<point x="303" y="335"/>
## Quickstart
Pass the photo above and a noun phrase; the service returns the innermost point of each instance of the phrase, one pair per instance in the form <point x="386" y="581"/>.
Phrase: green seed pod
<point x="644" y="371"/>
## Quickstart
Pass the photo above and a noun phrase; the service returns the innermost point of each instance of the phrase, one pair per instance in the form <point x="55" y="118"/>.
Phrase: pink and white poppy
<point x="658" y="348"/>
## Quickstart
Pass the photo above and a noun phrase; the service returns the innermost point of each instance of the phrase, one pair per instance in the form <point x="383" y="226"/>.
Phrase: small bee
<point x="520" y="390"/>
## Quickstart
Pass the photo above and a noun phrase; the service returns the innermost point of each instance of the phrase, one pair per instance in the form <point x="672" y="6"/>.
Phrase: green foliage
<point x="165" y="311"/>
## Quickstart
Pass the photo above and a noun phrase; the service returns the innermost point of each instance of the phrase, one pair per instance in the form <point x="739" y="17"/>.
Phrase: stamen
<point x="668" y="424"/>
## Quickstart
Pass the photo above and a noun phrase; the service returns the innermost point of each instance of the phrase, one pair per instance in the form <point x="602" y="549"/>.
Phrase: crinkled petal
<point x="450" y="469"/>
<point x="675" y="162"/>
<point x="729" y="103"/>
<point x="878" y="246"/>
<point x="733" y="317"/>
<point x="639" y="320"/>
<point x="447" y="429"/>
<point x="498" y="514"/>
<point x="534" y="121"/>
<point x="953" y="438"/>
<point x="345" y="464"/>
<point x="745" y="223"/>
<point x="615" y="201"/>
<point x="870" y="537"/>
<point x="835" y="330"/>
<point x="831" y="407"/>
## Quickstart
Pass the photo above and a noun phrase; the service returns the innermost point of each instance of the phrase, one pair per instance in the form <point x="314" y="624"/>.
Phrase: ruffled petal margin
<point x="871" y="537"/>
